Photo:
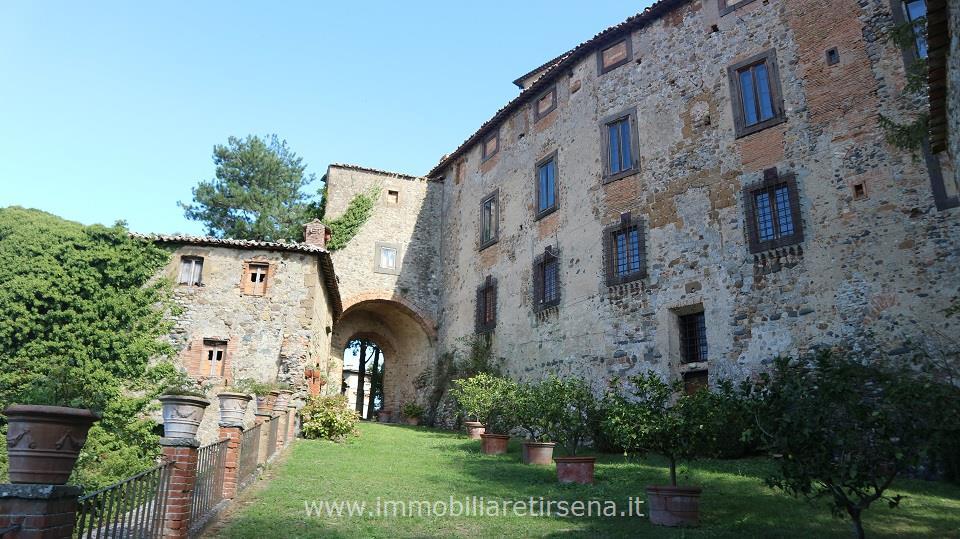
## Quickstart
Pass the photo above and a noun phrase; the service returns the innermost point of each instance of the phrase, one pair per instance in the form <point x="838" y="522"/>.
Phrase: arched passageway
<point x="404" y="336"/>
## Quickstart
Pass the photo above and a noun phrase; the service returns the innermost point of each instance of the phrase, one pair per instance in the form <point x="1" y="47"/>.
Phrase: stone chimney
<point x="316" y="233"/>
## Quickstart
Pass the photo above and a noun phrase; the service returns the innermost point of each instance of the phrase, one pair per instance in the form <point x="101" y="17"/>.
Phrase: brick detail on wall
<point x="231" y="461"/>
<point x="764" y="149"/>
<point x="183" y="476"/>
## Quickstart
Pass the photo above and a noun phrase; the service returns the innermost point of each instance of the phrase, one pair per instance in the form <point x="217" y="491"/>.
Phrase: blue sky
<point x="110" y="110"/>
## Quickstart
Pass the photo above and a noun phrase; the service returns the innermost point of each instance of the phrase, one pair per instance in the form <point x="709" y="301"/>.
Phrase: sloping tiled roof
<point x="326" y="262"/>
<point x="565" y="61"/>
<point x="541" y="67"/>
<point x="375" y="171"/>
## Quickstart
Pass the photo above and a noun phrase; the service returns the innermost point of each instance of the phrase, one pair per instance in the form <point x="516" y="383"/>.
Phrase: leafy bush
<point x="844" y="428"/>
<point x="489" y="400"/>
<point x="570" y="411"/>
<point x="535" y="411"/>
<point x="412" y="410"/>
<point x="328" y="417"/>
<point x="251" y="386"/>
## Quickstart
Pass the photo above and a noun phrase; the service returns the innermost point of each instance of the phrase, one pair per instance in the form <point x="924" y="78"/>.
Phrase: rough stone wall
<point x="882" y="264"/>
<point x="953" y="81"/>
<point x="397" y="310"/>
<point x="270" y="338"/>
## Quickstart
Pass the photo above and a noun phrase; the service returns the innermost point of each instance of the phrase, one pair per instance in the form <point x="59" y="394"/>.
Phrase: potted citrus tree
<point x="533" y="417"/>
<point x="490" y="400"/>
<point x="264" y="393"/>
<point x="46" y="433"/>
<point x="570" y="420"/>
<point x="647" y="414"/>
<point x="183" y="402"/>
<point x="475" y="398"/>
<point x="412" y="412"/>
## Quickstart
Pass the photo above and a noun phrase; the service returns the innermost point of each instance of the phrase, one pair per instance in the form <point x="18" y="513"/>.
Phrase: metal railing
<point x="249" y="455"/>
<point x="208" y="490"/>
<point x="132" y="508"/>
<point x="272" y="436"/>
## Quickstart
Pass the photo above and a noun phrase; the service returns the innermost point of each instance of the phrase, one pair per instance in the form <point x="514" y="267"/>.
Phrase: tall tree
<point x="374" y="380"/>
<point x="257" y="193"/>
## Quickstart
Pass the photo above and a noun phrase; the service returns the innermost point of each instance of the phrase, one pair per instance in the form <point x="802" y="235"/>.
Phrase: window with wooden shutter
<point x="624" y="247"/>
<point x="489" y="219"/>
<point x="546" y="201"/>
<point x="255" y="278"/>
<point x="486" y="319"/>
<point x="191" y="271"/>
<point x="772" y="212"/>
<point x="546" y="280"/>
<point x="214" y="358"/>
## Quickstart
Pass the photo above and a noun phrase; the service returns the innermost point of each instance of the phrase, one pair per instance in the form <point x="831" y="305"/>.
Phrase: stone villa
<point x="695" y="190"/>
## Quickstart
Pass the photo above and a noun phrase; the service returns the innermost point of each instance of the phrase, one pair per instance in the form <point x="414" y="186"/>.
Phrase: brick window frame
<point x="248" y="286"/>
<point x="541" y="264"/>
<point x="727" y="7"/>
<point x="630" y="115"/>
<point x="195" y="357"/>
<point x="486" y="314"/>
<point x="377" y="268"/>
<point x="486" y="153"/>
<point x="190" y="271"/>
<point x="627" y="222"/>
<point x="602" y="69"/>
<point x="538" y="213"/>
<point x="769" y="59"/>
<point x="493" y="197"/>
<point x="770" y="182"/>
<point x="550" y="94"/>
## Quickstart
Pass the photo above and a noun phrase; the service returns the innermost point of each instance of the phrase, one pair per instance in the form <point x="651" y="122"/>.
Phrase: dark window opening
<point x="487" y="306"/>
<point x="833" y="56"/>
<point x="693" y="337"/>
<point x="546" y="276"/>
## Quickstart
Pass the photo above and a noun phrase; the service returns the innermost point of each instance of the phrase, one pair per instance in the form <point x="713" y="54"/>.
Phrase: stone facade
<point x="273" y="337"/>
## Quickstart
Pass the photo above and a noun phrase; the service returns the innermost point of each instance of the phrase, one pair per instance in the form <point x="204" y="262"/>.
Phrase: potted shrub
<point x="533" y="418"/>
<point x="648" y="414"/>
<point x="493" y="402"/>
<point x="570" y="420"/>
<point x="233" y="403"/>
<point x="475" y="398"/>
<point x="262" y="391"/>
<point x="412" y="412"/>
<point x="183" y="403"/>
<point x="44" y="438"/>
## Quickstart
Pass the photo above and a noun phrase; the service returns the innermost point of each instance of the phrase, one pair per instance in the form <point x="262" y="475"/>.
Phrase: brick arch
<point x="384" y="342"/>
<point x="383" y="296"/>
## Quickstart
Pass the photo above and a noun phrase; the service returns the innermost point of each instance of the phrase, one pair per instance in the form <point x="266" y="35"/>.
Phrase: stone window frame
<point x="630" y="113"/>
<point x="486" y="292"/>
<point x="377" y="268"/>
<point x="771" y="180"/>
<point x="393" y="197"/>
<point x="549" y="255"/>
<point x="601" y="70"/>
<point x="495" y="221"/>
<point x="725" y="8"/>
<point x="483" y="145"/>
<point x="552" y="93"/>
<point x="246" y="286"/>
<point x="696" y="340"/>
<point x="540" y="214"/>
<point x="769" y="58"/>
<point x="627" y="221"/>
<point x="195" y="261"/>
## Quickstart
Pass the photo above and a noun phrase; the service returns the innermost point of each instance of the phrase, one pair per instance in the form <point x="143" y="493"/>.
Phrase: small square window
<point x="255" y="278"/>
<point x="614" y="56"/>
<point x="545" y="104"/>
<point x="773" y="212"/>
<point x="859" y="191"/>
<point x="491" y="145"/>
<point x="620" y="144"/>
<point x="546" y="185"/>
<point x="387" y="258"/>
<point x="487" y="306"/>
<point x="191" y="271"/>
<point x="393" y="197"/>
<point x="833" y="56"/>
<point x="489" y="220"/>
<point x="693" y="337"/>
<point x="755" y="94"/>
<point x="214" y="358"/>
<point x="546" y="280"/>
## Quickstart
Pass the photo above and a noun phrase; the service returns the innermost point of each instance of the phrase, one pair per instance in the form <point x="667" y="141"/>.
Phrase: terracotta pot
<point x="384" y="416"/>
<point x="674" y="506"/>
<point x="413" y="421"/>
<point x="575" y="469"/>
<point x="233" y="407"/>
<point x="494" y="444"/>
<point x="283" y="401"/>
<point x="182" y="415"/>
<point x="265" y="403"/>
<point x="474" y="429"/>
<point x="538" y="453"/>
<point x="272" y="400"/>
<point x="43" y="442"/>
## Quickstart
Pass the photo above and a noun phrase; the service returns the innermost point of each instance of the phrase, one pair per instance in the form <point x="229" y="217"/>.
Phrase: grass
<point x="395" y="462"/>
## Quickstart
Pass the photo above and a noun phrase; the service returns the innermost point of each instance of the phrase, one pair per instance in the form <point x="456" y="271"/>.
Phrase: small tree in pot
<point x="475" y="397"/>
<point x="649" y="414"/>
<point x="412" y="412"/>
<point x="45" y="436"/>
<point x="489" y="399"/>
<point x="570" y="415"/>
<point x="533" y="417"/>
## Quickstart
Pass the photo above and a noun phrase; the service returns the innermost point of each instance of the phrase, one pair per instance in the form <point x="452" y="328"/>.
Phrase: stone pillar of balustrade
<point x="182" y="452"/>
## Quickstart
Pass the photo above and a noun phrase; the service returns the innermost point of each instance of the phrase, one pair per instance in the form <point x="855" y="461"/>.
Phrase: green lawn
<point x="395" y="462"/>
